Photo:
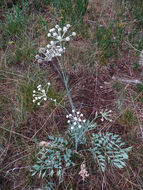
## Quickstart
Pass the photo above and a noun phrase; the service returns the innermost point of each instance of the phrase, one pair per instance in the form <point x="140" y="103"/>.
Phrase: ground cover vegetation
<point x="71" y="98"/>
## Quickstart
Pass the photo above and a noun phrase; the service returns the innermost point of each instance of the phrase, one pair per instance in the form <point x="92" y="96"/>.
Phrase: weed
<point x="20" y="53"/>
<point x="24" y="95"/>
<point x="118" y="86"/>
<point x="137" y="10"/>
<point x="109" y="38"/>
<point x="24" y="54"/>
<point x="40" y="4"/>
<point x="139" y="88"/>
<point x="128" y="119"/>
<point x="56" y="155"/>
<point x="43" y="24"/>
<point x="136" y="66"/>
<point x="14" y="23"/>
<point x="70" y="11"/>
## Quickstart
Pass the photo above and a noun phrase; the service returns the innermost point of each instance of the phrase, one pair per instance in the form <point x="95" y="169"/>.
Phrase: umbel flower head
<point x="106" y="115"/>
<point x="56" y="47"/>
<point x="75" y="120"/>
<point x="40" y="94"/>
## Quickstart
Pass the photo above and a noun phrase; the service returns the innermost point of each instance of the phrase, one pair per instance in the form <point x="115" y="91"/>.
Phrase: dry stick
<point x="5" y="151"/>
<point x="17" y="168"/>
<point x="16" y="133"/>
<point x="5" y="53"/>
<point x="141" y="129"/>
<point x="15" y="161"/>
<point x="136" y="81"/>
<point x="127" y="42"/>
<point x="137" y="186"/>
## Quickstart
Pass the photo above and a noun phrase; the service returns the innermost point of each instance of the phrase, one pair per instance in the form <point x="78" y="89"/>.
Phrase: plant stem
<point x="64" y="77"/>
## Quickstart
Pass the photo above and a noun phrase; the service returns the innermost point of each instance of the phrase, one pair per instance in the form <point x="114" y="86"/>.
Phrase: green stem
<point x="64" y="76"/>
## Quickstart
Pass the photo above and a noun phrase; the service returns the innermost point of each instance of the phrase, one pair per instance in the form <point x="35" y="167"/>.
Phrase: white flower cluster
<point x="105" y="115"/>
<point x="55" y="48"/>
<point x="40" y="94"/>
<point x="75" y="119"/>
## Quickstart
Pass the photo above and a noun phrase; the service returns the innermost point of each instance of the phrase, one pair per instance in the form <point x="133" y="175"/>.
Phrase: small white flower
<point x="38" y="103"/>
<point x="68" y="25"/>
<point x="102" y="119"/>
<point x="79" y="120"/>
<point x="52" y="42"/>
<point x="70" y="115"/>
<point x="52" y="30"/>
<point x="59" y="29"/>
<point x="59" y="38"/>
<point x="68" y="121"/>
<point x="74" y="123"/>
<point x="48" y="46"/>
<point x="55" y="34"/>
<point x="84" y="121"/>
<point x="37" y="56"/>
<point x="78" y="113"/>
<point x="39" y="60"/>
<point x="39" y="86"/>
<point x="72" y="128"/>
<point x="67" y="116"/>
<point x="75" y="118"/>
<point x="39" y="97"/>
<point x="43" y="91"/>
<point x="73" y="111"/>
<point x="65" y="29"/>
<point x="34" y="91"/>
<point x="49" y="35"/>
<point x="34" y="100"/>
<point x="57" y="26"/>
<point x="74" y="34"/>
<point x="81" y="115"/>
<point x="67" y="39"/>
<point x="79" y="126"/>
<point x="49" y="83"/>
<point x="34" y="95"/>
<point x="45" y="99"/>
<point x="54" y="100"/>
<point x="60" y="50"/>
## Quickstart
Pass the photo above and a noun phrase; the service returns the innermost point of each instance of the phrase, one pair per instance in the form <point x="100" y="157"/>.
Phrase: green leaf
<point x="43" y="175"/>
<point x="59" y="172"/>
<point x="50" y="137"/>
<point x="34" y="173"/>
<point x="52" y="173"/>
<point x="56" y="166"/>
<point x="36" y="167"/>
<point x="67" y="164"/>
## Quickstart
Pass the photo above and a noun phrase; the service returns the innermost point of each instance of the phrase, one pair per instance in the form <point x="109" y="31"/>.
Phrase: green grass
<point x="128" y="118"/>
<point x="70" y="11"/>
<point x="109" y="38"/>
